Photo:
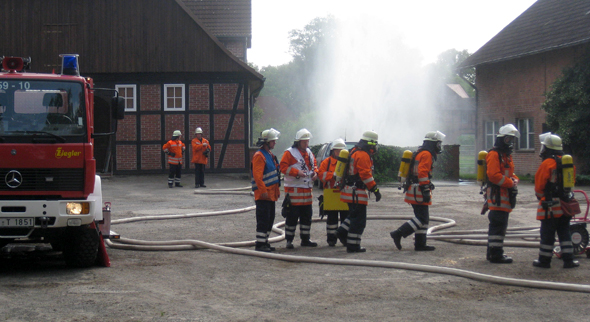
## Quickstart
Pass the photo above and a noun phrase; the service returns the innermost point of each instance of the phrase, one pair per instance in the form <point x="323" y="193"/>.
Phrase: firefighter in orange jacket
<point x="174" y="149"/>
<point x="265" y="184"/>
<point x="201" y="149"/>
<point x="549" y="190"/>
<point x="326" y="176"/>
<point x="418" y="192"/>
<point x="357" y="182"/>
<point x="299" y="166"/>
<point x="501" y="192"/>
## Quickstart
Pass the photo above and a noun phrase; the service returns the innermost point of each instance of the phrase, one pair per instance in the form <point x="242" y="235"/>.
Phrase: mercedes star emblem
<point x="13" y="179"/>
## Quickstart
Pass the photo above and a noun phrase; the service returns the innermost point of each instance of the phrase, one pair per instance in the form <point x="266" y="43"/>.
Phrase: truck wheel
<point x="81" y="246"/>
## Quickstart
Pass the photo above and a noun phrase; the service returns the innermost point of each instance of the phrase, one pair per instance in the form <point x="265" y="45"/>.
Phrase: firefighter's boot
<point x="496" y="256"/>
<point x="420" y="243"/>
<point x="570" y="264"/>
<point x="308" y="243"/>
<point x="397" y="238"/>
<point x="262" y="247"/>
<point x="289" y="244"/>
<point x="355" y="249"/>
<point x="543" y="263"/>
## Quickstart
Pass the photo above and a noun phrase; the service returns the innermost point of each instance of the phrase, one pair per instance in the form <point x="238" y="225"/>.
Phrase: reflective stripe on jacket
<point x="176" y="147"/>
<point x="326" y="172"/>
<point x="422" y="170"/>
<point x="265" y="177"/>
<point x="546" y="173"/>
<point x="500" y="172"/>
<point x="294" y="160"/>
<point x="360" y="164"/>
<point x="198" y="149"/>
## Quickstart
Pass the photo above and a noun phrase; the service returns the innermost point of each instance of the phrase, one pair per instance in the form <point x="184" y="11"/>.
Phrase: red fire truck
<point x="49" y="190"/>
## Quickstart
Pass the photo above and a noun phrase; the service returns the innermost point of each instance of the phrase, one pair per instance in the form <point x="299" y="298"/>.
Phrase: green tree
<point x="568" y="107"/>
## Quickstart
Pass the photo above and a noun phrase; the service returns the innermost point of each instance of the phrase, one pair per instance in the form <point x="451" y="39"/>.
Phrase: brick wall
<point x="151" y="157"/>
<point x="234" y="155"/>
<point x="515" y="89"/>
<point x="126" y="157"/>
<point x="151" y="128"/>
<point x="236" y="47"/>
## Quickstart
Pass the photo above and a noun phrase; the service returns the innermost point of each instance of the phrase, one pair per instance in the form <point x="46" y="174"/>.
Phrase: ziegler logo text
<point x="59" y="153"/>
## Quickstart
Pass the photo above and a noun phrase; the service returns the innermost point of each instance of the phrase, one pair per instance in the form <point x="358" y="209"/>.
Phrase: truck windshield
<point x="30" y="107"/>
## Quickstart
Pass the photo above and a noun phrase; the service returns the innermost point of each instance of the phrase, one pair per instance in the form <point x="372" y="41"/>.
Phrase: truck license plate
<point x="17" y="222"/>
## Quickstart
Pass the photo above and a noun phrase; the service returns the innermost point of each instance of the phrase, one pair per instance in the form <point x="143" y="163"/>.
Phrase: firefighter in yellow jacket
<point x="174" y="149"/>
<point x="501" y="192"/>
<point x="299" y="166"/>
<point x="326" y="176"/>
<point x="549" y="189"/>
<point x="358" y="181"/>
<point x="418" y="190"/>
<point x="265" y="184"/>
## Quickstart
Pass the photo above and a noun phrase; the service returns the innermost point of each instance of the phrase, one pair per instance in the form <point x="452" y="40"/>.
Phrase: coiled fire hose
<point x="466" y="237"/>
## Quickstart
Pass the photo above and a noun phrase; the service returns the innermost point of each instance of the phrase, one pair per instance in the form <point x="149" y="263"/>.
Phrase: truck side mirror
<point x="118" y="104"/>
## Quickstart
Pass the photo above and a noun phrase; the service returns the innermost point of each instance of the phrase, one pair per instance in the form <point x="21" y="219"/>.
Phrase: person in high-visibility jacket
<point x="201" y="149"/>
<point x="501" y="192"/>
<point x="418" y="189"/>
<point x="174" y="149"/>
<point x="358" y="181"/>
<point x="299" y="166"/>
<point x="265" y="184"/>
<point x="326" y="176"/>
<point x="549" y="190"/>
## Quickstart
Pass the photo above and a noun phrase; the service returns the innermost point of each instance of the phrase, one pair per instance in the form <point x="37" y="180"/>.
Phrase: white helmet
<point x="434" y="136"/>
<point x="198" y="130"/>
<point x="508" y="130"/>
<point x="338" y="144"/>
<point x="371" y="137"/>
<point x="302" y="134"/>
<point x="551" y="141"/>
<point x="176" y="133"/>
<point x="270" y="135"/>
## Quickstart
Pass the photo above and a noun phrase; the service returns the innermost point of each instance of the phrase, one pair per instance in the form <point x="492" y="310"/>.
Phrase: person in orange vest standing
<point x="549" y="189"/>
<point x="299" y="166"/>
<point x="174" y="149"/>
<point x="501" y="192"/>
<point x="265" y="184"/>
<point x="418" y="190"/>
<point x="326" y="176"/>
<point x="358" y="179"/>
<point x="201" y="149"/>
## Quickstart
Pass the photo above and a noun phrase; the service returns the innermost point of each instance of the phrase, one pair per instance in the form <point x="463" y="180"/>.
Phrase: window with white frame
<point x="491" y="131"/>
<point x="174" y="97"/>
<point x="129" y="95"/>
<point x="527" y="134"/>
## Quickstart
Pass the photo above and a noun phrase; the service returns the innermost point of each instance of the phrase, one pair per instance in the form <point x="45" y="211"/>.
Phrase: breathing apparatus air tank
<point x="481" y="167"/>
<point x="404" y="166"/>
<point x="341" y="164"/>
<point x="568" y="171"/>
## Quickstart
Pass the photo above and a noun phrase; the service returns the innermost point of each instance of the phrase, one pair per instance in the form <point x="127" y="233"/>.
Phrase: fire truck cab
<point x="49" y="190"/>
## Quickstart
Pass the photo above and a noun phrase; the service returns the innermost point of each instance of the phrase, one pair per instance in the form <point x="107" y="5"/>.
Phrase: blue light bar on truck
<point x="69" y="64"/>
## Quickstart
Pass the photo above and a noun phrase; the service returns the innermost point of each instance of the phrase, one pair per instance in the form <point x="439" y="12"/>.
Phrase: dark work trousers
<point x="265" y="218"/>
<point x="418" y="225"/>
<point x="354" y="225"/>
<point x="549" y="227"/>
<point x="496" y="233"/>
<point x="174" y="172"/>
<point x="332" y="223"/>
<point x="199" y="174"/>
<point x="303" y="215"/>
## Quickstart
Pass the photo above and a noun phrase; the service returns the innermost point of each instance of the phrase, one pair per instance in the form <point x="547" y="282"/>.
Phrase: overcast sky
<point x="430" y="26"/>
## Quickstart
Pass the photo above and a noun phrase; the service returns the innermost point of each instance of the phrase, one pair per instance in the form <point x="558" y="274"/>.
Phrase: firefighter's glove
<point x="425" y="188"/>
<point x="377" y="193"/>
<point x="512" y="193"/>
<point x="170" y="153"/>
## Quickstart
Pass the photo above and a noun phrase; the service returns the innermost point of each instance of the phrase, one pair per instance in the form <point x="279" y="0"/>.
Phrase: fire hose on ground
<point x="473" y="237"/>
